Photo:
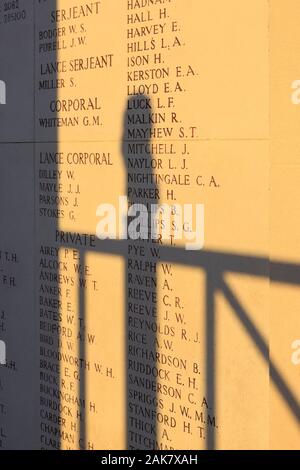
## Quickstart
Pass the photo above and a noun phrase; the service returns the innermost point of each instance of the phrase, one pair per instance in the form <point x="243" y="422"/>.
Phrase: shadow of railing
<point x="215" y="265"/>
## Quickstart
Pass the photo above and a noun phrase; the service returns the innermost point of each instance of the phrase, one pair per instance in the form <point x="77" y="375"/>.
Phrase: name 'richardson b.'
<point x="75" y="12"/>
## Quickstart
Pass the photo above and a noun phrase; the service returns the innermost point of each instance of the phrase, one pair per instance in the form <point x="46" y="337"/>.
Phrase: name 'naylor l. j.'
<point x="75" y="12"/>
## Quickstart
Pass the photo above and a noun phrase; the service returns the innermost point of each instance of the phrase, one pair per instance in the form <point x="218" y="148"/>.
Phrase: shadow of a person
<point x="141" y="276"/>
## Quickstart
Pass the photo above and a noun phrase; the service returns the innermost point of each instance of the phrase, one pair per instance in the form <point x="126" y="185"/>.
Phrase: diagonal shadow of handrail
<point x="216" y="264"/>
